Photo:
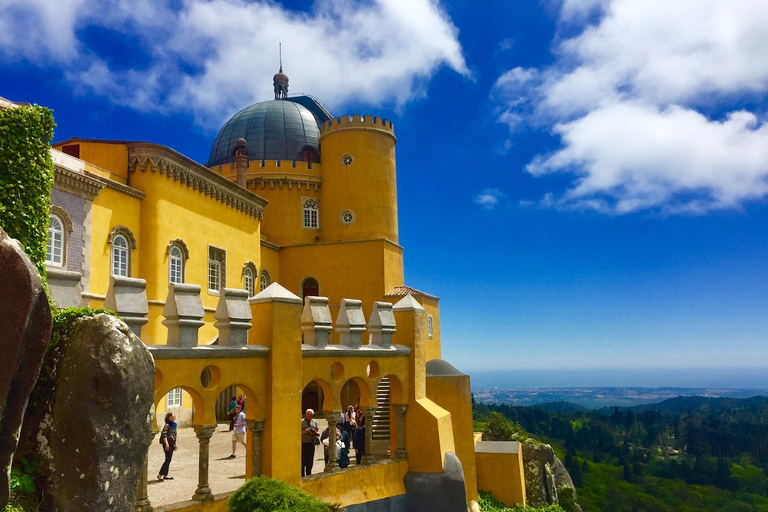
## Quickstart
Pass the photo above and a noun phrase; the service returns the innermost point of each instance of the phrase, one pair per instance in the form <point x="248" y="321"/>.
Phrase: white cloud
<point x="214" y="57"/>
<point x="489" y="198"/>
<point x="649" y="104"/>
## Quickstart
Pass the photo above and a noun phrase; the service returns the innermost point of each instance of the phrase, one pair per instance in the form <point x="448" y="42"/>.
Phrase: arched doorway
<point x="310" y="286"/>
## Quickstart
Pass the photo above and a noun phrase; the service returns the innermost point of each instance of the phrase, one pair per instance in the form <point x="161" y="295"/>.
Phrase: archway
<point x="310" y="286"/>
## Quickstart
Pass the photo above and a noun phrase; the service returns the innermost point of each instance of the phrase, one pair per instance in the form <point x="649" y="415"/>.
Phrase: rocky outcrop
<point x="90" y="423"/>
<point x="25" y="328"/>
<point x="446" y="491"/>
<point x="545" y="476"/>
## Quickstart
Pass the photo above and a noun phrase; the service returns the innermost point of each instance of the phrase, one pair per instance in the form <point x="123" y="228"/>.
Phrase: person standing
<point x="309" y="432"/>
<point x="168" y="440"/>
<point x="232" y="416"/>
<point x="238" y="436"/>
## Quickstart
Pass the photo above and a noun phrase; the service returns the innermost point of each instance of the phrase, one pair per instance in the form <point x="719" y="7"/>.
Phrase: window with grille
<point x="311" y="214"/>
<point x="174" y="398"/>
<point x="54" y="253"/>
<point x="175" y="265"/>
<point x="249" y="280"/>
<point x="216" y="269"/>
<point x="265" y="280"/>
<point x="120" y="256"/>
<point x="429" y="326"/>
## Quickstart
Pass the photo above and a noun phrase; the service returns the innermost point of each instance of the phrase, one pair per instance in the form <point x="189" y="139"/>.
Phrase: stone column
<point x="203" y="433"/>
<point x="400" y="409"/>
<point x="332" y="416"/>
<point x="256" y="427"/>
<point x="368" y="457"/>
<point x="142" y="503"/>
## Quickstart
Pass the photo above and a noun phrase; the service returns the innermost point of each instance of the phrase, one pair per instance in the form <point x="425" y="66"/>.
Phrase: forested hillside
<point x="685" y="454"/>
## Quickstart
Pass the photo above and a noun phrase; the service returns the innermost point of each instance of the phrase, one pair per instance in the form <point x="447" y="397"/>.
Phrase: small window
<point x="249" y="279"/>
<point x="429" y="326"/>
<point x="120" y="256"/>
<point x="175" y="265"/>
<point x="174" y="398"/>
<point x="265" y="280"/>
<point x="347" y="217"/>
<point x="216" y="269"/>
<point x="347" y="160"/>
<point x="311" y="214"/>
<point x="54" y="253"/>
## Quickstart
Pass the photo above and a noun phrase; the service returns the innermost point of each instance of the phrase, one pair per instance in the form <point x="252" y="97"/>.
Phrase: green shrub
<point x="489" y="504"/>
<point x="263" y="494"/>
<point x="23" y="488"/>
<point x="26" y="178"/>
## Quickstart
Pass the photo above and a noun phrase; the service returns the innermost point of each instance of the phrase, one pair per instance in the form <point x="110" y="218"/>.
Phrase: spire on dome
<point x="280" y="80"/>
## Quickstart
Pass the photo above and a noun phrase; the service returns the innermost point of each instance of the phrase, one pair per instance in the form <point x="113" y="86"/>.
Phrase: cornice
<point x="165" y="161"/>
<point x="270" y="245"/>
<point x="77" y="183"/>
<point x="283" y="181"/>
<point x="125" y="189"/>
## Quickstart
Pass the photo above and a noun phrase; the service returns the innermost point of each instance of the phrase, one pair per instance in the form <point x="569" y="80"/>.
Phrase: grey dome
<point x="273" y="130"/>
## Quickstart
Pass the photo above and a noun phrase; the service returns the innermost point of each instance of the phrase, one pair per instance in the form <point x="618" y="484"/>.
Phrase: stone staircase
<point x="381" y="420"/>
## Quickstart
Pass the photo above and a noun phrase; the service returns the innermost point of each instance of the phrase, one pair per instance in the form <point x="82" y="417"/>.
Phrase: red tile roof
<point x="402" y="291"/>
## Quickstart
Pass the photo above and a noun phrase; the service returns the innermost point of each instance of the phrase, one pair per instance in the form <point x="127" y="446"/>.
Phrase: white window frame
<point x="310" y="213"/>
<point x="121" y="256"/>
<point x="217" y="267"/>
<point x="429" y="326"/>
<point x="249" y="280"/>
<point x="54" y="252"/>
<point x="173" y="399"/>
<point x="175" y="265"/>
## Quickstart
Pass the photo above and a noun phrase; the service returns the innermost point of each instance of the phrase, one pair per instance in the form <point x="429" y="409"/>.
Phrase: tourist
<point x="360" y="439"/>
<point x="168" y="440"/>
<point x="309" y="433"/>
<point x="238" y="436"/>
<point x="350" y="423"/>
<point x="232" y="415"/>
<point x="342" y="447"/>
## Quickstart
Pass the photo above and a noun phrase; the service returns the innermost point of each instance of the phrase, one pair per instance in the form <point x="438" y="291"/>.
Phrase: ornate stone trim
<point x="62" y="214"/>
<point x="285" y="181"/>
<point x="125" y="189"/>
<point x="127" y="233"/>
<point x="178" y="242"/>
<point x="77" y="183"/>
<point x="165" y="161"/>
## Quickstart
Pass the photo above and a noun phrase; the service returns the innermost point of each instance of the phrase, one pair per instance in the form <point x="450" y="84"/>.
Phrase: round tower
<point x="359" y="192"/>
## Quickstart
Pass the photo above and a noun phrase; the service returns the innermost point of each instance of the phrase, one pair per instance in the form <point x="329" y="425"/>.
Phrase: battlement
<point x="357" y="122"/>
<point x="260" y="166"/>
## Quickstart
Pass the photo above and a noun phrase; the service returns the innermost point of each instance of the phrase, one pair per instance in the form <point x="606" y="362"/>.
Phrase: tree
<point x="500" y="428"/>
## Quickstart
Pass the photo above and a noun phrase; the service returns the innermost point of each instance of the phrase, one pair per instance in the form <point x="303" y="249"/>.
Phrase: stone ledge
<point x="363" y="351"/>
<point x="207" y="352"/>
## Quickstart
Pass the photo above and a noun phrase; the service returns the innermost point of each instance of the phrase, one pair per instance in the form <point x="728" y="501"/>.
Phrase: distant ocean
<point x="738" y="378"/>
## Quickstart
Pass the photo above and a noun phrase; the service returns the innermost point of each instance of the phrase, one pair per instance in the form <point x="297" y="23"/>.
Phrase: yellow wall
<point x="110" y="156"/>
<point x="368" y="187"/>
<point x="270" y="261"/>
<point x="453" y="394"/>
<point x="172" y="210"/>
<point x="359" y="484"/>
<point x="502" y="475"/>
<point x="111" y="209"/>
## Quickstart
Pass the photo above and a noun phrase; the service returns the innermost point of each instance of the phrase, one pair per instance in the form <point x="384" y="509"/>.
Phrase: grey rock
<point x="25" y="328"/>
<point x="446" y="491"/>
<point x="92" y="422"/>
<point x="544" y="475"/>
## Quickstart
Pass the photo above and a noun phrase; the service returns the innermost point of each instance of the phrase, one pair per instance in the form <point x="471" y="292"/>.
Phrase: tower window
<point x="429" y="326"/>
<point x="120" y="256"/>
<point x="347" y="217"/>
<point x="311" y="212"/>
<point x="249" y="279"/>
<point x="347" y="160"/>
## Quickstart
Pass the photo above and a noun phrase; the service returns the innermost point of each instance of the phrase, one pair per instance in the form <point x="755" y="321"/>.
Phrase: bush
<point x="263" y="494"/>
<point x="26" y="178"/>
<point x="489" y="504"/>
<point x="499" y="428"/>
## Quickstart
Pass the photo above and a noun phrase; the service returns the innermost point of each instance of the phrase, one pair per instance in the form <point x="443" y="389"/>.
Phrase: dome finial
<point x="280" y="80"/>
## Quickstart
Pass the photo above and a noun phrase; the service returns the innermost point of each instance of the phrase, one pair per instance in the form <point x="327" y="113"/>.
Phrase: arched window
<point x="311" y="214"/>
<point x="120" y="256"/>
<point x="310" y="286"/>
<point x="123" y="242"/>
<point x="249" y="278"/>
<point x="217" y="269"/>
<point x="265" y="280"/>
<point x="175" y="265"/>
<point x="54" y="253"/>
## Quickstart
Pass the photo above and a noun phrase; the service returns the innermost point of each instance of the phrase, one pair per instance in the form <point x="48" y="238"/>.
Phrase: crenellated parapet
<point x="358" y="122"/>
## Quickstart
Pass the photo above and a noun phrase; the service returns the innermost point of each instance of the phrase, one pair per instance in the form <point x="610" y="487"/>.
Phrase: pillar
<point x="332" y="417"/>
<point x="400" y="409"/>
<point x="368" y="457"/>
<point x="256" y="427"/>
<point x="203" y="433"/>
<point x="142" y="503"/>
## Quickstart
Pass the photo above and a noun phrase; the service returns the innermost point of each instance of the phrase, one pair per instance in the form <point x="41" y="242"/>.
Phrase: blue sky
<point x="583" y="183"/>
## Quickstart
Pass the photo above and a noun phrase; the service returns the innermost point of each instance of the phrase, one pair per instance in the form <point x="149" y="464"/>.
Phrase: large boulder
<point x="446" y="491"/>
<point x="545" y="476"/>
<point x="90" y="421"/>
<point x="25" y="328"/>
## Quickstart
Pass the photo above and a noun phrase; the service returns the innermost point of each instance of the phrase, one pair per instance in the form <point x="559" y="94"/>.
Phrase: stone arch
<point x="224" y="392"/>
<point x="326" y="402"/>
<point x="198" y="402"/>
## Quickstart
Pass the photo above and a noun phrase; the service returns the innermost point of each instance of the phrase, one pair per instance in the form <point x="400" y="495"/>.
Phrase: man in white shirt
<point x="238" y="436"/>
